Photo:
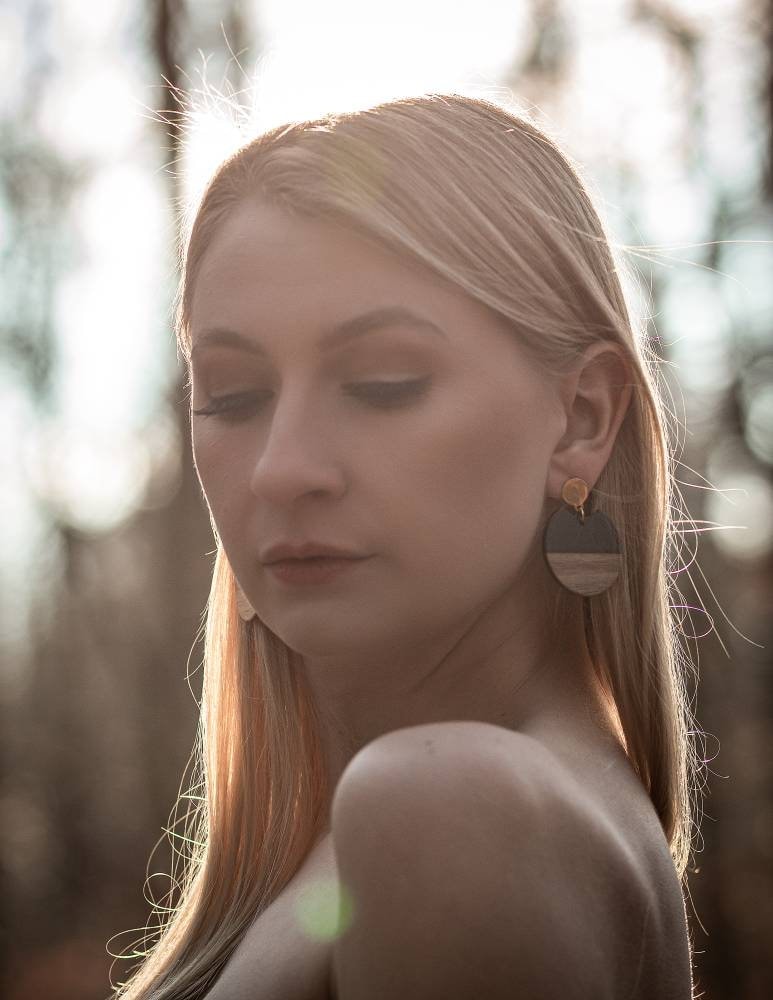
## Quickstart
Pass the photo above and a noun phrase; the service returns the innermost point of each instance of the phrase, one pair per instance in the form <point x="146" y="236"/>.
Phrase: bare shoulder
<point x="434" y="750"/>
<point x="503" y="775"/>
<point x="477" y="867"/>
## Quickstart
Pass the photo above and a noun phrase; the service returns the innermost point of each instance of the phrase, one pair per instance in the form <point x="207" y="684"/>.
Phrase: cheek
<point x="480" y="487"/>
<point x="222" y="472"/>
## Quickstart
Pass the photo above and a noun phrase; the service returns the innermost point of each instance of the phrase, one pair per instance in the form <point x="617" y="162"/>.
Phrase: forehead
<point x="267" y="269"/>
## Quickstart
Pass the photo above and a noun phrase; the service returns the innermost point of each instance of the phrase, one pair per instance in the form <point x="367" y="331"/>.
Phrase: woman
<point x="441" y="673"/>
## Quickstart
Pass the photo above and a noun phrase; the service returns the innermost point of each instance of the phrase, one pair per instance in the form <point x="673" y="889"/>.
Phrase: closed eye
<point x="383" y="395"/>
<point x="238" y="403"/>
<point x="386" y="394"/>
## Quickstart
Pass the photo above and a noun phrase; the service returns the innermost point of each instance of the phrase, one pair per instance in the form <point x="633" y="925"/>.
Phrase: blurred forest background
<point x="107" y="551"/>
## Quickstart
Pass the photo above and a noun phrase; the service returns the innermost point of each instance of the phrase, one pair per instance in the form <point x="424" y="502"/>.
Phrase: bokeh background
<point x="106" y="548"/>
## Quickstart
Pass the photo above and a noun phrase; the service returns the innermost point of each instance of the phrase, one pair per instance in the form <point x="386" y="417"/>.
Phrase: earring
<point x="246" y="610"/>
<point x="582" y="550"/>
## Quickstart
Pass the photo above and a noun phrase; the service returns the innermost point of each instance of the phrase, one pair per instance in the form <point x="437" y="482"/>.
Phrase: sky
<point x="109" y="433"/>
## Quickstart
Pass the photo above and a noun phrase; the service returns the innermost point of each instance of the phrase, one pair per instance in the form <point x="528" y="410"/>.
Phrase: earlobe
<point x="596" y="395"/>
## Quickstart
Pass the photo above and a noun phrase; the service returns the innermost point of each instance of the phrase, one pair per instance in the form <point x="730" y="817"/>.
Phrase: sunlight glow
<point x="348" y="53"/>
<point x="344" y="56"/>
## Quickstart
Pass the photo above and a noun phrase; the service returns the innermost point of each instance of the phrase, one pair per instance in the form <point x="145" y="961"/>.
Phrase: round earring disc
<point x="584" y="557"/>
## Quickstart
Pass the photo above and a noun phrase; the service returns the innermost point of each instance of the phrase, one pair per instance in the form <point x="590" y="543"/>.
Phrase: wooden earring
<point x="582" y="550"/>
<point x="245" y="609"/>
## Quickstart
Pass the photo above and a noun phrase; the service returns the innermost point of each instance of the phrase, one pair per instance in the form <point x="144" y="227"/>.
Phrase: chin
<point x="325" y="634"/>
<point x="340" y="637"/>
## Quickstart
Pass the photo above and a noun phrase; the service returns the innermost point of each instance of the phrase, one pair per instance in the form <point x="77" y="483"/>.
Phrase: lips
<point x="301" y="551"/>
<point x="312" y="570"/>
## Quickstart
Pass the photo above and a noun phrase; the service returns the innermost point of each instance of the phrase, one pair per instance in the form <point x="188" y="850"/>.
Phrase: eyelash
<point x="382" y="395"/>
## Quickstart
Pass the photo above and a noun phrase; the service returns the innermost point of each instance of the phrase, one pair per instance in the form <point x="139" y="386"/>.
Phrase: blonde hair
<point x="486" y="199"/>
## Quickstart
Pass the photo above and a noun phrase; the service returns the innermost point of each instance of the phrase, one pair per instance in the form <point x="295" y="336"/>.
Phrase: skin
<point x="447" y="491"/>
<point x="470" y="751"/>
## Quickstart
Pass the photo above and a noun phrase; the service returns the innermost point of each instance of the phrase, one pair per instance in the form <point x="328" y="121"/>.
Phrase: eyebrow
<point x="350" y="329"/>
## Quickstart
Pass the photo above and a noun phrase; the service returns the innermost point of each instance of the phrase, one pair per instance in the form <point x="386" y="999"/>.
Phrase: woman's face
<point x="344" y="396"/>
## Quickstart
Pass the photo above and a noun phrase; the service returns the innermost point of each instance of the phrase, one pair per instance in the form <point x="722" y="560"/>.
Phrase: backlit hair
<point x="486" y="199"/>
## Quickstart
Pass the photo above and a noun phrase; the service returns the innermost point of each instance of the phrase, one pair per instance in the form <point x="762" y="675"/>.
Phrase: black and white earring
<point x="582" y="550"/>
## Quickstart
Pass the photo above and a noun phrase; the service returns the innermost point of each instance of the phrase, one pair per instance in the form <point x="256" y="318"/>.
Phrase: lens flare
<point x="324" y="910"/>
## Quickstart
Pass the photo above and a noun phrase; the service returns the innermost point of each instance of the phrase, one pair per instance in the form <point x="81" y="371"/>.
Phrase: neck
<point x="505" y="666"/>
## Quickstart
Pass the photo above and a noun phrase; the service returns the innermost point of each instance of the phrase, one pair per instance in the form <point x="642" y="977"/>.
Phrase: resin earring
<point x="582" y="550"/>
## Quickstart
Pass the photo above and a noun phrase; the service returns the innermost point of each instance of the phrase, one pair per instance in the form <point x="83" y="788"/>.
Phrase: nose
<point x="296" y="454"/>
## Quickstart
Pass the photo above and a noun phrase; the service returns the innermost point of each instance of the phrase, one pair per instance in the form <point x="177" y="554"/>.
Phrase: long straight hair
<point x="486" y="199"/>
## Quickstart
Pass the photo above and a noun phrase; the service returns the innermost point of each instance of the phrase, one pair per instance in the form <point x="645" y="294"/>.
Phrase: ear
<point x="595" y="396"/>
